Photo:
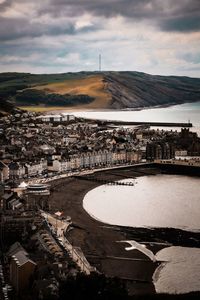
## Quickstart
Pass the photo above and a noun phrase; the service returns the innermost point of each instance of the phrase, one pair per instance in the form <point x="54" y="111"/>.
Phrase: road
<point x="82" y="172"/>
<point x="59" y="227"/>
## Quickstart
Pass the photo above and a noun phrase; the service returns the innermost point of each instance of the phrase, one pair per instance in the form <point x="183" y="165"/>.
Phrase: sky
<point x="58" y="36"/>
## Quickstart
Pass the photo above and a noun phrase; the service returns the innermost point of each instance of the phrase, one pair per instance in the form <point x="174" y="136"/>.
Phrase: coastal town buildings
<point x="159" y="150"/>
<point x="34" y="145"/>
<point x="35" y="150"/>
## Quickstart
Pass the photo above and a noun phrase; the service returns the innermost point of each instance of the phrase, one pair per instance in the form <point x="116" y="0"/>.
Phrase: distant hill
<point x="96" y="90"/>
<point x="137" y="90"/>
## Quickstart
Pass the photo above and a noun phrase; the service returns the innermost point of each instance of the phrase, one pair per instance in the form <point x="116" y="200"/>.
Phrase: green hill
<point x="96" y="90"/>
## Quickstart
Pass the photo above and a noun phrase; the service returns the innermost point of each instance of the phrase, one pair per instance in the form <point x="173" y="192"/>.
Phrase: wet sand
<point x="99" y="241"/>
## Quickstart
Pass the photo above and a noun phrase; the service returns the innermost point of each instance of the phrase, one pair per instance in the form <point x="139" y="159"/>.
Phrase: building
<point x="6" y="198"/>
<point x="38" y="189"/>
<point x="159" y="150"/>
<point x="56" y="118"/>
<point x="67" y="117"/>
<point x="37" y="168"/>
<point x="21" y="267"/>
<point x="181" y="153"/>
<point x="4" y="172"/>
<point x="16" y="170"/>
<point x="58" y="165"/>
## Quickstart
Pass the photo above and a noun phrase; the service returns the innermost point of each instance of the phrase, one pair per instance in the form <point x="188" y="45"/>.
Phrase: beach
<point x="100" y="242"/>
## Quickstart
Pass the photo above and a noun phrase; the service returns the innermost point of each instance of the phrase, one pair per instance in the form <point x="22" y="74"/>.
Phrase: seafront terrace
<point x="168" y="162"/>
<point x="179" y="162"/>
<point x="86" y="172"/>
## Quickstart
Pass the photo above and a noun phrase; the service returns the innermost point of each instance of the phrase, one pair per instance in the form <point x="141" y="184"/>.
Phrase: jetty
<point x="135" y="123"/>
<point x="103" y="181"/>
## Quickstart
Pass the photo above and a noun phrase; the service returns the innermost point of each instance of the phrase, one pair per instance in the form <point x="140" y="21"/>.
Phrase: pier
<point x="103" y="181"/>
<point x="149" y="124"/>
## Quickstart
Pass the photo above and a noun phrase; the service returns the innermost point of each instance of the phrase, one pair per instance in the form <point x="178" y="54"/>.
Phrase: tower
<point x="99" y="62"/>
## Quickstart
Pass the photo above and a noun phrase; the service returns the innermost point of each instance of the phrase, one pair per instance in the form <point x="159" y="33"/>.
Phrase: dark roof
<point x="7" y="196"/>
<point x="21" y="258"/>
<point x="19" y="254"/>
<point x="14" y="248"/>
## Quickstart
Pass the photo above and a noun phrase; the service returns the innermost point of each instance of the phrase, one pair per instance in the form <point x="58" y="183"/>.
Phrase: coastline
<point x="99" y="241"/>
<point x="77" y="108"/>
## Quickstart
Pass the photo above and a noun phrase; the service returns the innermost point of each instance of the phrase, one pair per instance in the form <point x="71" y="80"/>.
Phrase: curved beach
<point x="99" y="241"/>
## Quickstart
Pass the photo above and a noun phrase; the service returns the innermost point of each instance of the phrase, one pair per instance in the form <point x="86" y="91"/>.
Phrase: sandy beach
<point x="99" y="241"/>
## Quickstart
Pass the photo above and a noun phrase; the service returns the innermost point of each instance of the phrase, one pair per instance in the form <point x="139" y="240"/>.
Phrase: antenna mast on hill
<point x="99" y="62"/>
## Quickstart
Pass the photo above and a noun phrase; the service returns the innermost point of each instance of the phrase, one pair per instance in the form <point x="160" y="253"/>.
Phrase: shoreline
<point x="99" y="241"/>
<point x="78" y="108"/>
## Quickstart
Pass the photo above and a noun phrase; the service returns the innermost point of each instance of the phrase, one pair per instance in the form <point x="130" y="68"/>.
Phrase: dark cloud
<point x="189" y="23"/>
<point x="107" y="8"/>
<point x="11" y="29"/>
<point x="5" y="4"/>
<point x="31" y="34"/>
<point x="168" y="15"/>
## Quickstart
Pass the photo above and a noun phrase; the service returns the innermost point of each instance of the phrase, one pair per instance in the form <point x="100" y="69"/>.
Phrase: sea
<point x="156" y="201"/>
<point x="184" y="113"/>
<point x="153" y="201"/>
<point x="169" y="201"/>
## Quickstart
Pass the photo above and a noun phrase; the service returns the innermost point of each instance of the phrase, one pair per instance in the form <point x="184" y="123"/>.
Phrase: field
<point x="85" y="83"/>
<point x="93" y="86"/>
<point x="45" y="108"/>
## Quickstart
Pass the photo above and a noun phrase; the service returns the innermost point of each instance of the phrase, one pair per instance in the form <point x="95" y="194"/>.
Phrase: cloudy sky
<point x="153" y="36"/>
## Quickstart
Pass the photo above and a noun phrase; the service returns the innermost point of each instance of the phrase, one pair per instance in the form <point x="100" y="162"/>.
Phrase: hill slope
<point x="114" y="90"/>
<point x="136" y="90"/>
<point x="91" y="85"/>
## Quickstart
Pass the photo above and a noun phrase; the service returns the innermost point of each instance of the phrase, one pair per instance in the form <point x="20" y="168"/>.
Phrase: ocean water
<point x="179" y="273"/>
<point x="177" y="113"/>
<point x="154" y="201"/>
<point x="179" y="268"/>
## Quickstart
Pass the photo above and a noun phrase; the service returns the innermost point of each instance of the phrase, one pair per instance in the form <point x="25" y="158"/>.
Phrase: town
<point x="34" y="145"/>
<point x="36" y="152"/>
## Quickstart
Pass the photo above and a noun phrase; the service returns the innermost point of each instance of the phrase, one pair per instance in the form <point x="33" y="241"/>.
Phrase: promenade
<point x="85" y="172"/>
<point x="58" y="228"/>
<point x="100" y="242"/>
<point x="159" y="162"/>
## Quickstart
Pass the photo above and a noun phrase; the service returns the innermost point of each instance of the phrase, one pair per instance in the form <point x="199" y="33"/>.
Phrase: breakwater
<point x="157" y="124"/>
<point x="103" y="181"/>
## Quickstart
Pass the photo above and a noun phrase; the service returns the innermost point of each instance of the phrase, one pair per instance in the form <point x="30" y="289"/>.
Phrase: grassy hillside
<point x="93" y="90"/>
<point x="93" y="86"/>
<point x="30" y="80"/>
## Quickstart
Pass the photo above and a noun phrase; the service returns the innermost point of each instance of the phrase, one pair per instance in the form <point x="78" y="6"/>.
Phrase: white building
<point x="59" y="166"/>
<point x="56" y="118"/>
<point x="33" y="169"/>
